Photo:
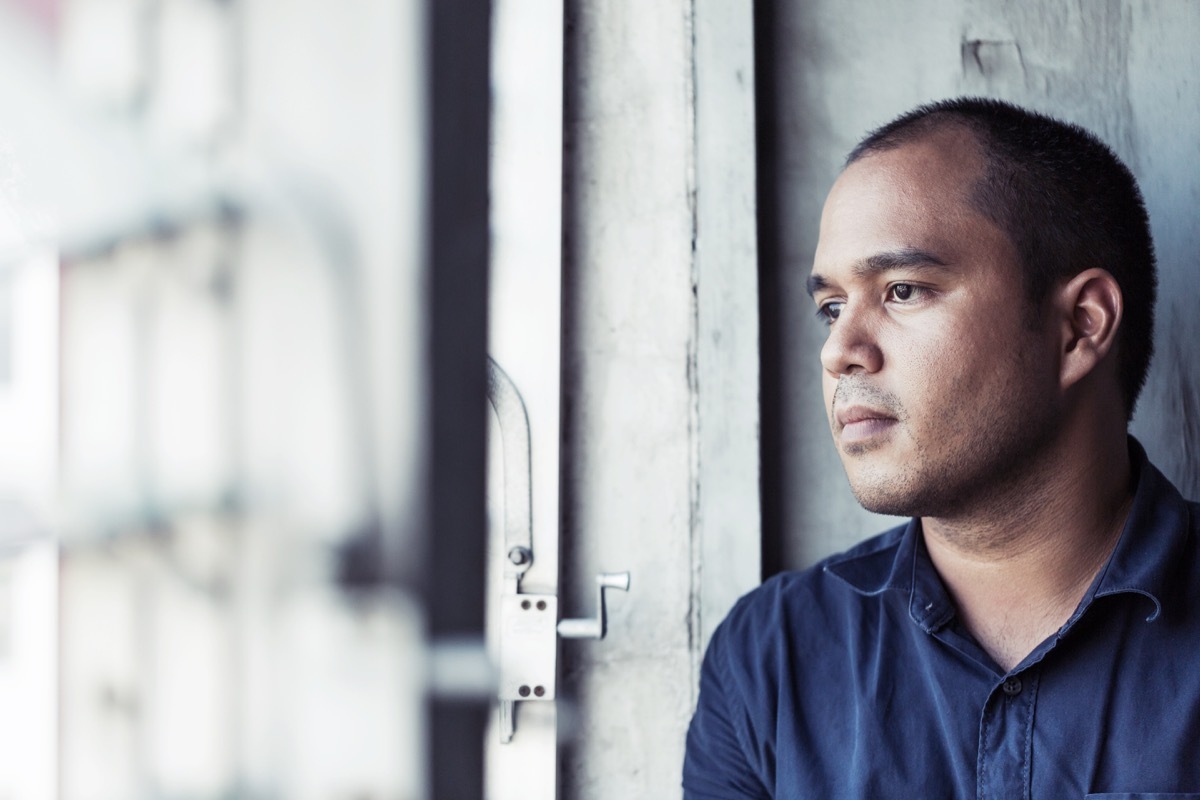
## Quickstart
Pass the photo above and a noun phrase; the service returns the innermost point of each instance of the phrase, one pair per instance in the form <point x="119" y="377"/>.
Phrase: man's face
<point x="939" y="392"/>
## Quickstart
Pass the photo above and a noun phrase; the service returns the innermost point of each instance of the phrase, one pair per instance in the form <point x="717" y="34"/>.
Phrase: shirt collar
<point x="897" y="561"/>
<point x="1155" y="536"/>
<point x="1142" y="562"/>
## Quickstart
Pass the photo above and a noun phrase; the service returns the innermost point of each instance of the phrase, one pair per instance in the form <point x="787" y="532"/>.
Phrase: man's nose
<point x="852" y="345"/>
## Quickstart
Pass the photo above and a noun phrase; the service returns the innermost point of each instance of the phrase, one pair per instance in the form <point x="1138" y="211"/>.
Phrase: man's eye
<point x="904" y="292"/>
<point x="828" y="312"/>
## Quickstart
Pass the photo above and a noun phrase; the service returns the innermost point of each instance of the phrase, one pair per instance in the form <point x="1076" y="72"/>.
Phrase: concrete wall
<point x="660" y="413"/>
<point x="1125" y="69"/>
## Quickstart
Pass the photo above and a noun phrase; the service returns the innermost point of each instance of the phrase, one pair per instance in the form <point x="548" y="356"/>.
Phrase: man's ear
<point x="1090" y="306"/>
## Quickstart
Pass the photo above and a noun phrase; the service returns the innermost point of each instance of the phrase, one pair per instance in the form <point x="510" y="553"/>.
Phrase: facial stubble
<point x="978" y="453"/>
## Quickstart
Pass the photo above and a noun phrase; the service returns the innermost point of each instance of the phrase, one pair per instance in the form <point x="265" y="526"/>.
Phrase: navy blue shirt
<point x="855" y="679"/>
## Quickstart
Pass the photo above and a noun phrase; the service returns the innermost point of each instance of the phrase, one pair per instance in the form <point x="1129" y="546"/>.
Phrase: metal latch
<point x="596" y="627"/>
<point x="529" y="623"/>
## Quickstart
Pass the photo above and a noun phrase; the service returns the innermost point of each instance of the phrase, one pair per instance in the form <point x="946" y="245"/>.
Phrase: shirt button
<point x="1012" y="687"/>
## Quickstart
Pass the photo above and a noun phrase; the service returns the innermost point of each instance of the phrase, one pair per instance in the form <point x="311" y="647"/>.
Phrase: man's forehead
<point x="951" y="143"/>
<point x="942" y="167"/>
<point x="915" y="198"/>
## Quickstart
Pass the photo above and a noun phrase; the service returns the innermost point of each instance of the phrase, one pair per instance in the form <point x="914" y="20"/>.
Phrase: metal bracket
<point x="529" y="624"/>
<point x="528" y="656"/>
<point x="518" y="476"/>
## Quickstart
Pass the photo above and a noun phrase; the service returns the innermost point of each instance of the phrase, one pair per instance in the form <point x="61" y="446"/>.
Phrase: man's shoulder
<point x="793" y="601"/>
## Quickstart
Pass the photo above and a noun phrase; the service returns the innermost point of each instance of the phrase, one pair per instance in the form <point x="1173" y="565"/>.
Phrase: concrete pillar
<point x="660" y="370"/>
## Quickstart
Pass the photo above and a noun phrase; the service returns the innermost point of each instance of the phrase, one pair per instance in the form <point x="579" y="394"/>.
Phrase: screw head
<point x="520" y="556"/>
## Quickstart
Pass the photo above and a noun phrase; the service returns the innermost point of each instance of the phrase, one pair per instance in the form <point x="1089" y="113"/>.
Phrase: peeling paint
<point x="991" y="58"/>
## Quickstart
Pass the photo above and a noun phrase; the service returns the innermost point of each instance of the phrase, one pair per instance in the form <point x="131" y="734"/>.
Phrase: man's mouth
<point x="857" y="423"/>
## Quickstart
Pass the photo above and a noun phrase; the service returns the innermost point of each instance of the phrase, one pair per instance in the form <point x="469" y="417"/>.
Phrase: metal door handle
<point x="595" y="627"/>
<point x="528" y="631"/>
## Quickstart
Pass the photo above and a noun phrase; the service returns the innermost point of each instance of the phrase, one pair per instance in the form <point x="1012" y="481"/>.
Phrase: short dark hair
<point x="1066" y="202"/>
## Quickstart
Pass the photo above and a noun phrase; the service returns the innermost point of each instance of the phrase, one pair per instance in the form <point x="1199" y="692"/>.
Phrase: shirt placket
<point x="1005" y="738"/>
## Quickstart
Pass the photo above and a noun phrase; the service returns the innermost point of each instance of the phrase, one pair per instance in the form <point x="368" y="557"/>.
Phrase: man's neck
<point x="1018" y="568"/>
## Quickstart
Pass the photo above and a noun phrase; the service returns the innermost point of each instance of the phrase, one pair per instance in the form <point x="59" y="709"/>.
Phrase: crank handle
<point x="595" y="627"/>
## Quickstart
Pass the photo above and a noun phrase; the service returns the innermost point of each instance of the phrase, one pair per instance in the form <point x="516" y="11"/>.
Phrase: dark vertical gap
<point x="769" y="289"/>
<point x="459" y="35"/>
<point x="568" y="693"/>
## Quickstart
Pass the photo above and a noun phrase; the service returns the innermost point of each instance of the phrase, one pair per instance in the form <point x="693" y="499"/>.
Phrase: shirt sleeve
<point x="720" y="761"/>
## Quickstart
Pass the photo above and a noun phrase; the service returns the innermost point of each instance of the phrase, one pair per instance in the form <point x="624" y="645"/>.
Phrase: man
<point x="988" y="280"/>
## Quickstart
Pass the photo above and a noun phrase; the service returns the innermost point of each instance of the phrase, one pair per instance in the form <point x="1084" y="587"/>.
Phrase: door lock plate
<point x="528" y="646"/>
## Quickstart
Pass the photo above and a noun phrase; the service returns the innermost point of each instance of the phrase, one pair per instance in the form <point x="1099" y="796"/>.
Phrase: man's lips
<point x="856" y="423"/>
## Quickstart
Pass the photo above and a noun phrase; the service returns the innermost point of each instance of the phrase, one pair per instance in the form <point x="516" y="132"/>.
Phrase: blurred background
<point x="272" y="523"/>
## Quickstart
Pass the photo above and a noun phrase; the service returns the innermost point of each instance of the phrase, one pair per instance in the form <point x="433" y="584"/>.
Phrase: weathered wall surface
<point x="660" y="365"/>
<point x="627" y="404"/>
<point x="1122" y="68"/>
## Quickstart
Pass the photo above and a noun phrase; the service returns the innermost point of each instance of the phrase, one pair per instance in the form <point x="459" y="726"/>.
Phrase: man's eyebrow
<point x="908" y="257"/>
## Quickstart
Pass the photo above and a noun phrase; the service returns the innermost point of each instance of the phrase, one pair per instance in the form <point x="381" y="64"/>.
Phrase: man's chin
<point x="856" y="449"/>
<point x="882" y="445"/>
<point x="883" y="491"/>
<point x="890" y="506"/>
